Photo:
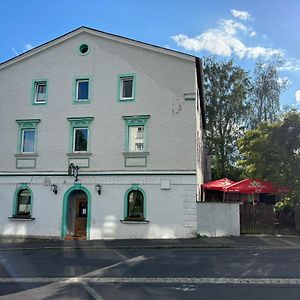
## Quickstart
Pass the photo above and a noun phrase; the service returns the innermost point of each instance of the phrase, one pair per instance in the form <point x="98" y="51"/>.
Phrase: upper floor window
<point x="39" y="91"/>
<point x="82" y="90"/>
<point x="135" y="133"/>
<point x="80" y="140"/>
<point x="126" y="87"/>
<point x="83" y="49"/>
<point x="28" y="141"/>
<point x="136" y="138"/>
<point x="80" y="134"/>
<point x="27" y="136"/>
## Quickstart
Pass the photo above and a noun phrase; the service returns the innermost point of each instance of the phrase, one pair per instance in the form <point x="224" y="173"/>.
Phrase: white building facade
<point x="124" y="118"/>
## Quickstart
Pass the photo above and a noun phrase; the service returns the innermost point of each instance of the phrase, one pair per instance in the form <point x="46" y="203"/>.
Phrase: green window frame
<point x="39" y="91"/>
<point x="77" y="124"/>
<point x="131" y="210"/>
<point x="83" y="49"/>
<point x="20" y="203"/>
<point x="139" y="123"/>
<point x="77" y="83"/>
<point x="26" y="126"/>
<point x="125" y="83"/>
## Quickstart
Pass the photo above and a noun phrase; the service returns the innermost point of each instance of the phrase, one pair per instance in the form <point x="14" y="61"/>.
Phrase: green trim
<point x="119" y="87"/>
<point x="84" y="122"/>
<point x="135" y="187"/>
<point x="136" y="121"/>
<point x="75" y="187"/>
<point x="31" y="124"/>
<point x="34" y="82"/>
<point x="79" y="49"/>
<point x="76" y="79"/>
<point x="23" y="186"/>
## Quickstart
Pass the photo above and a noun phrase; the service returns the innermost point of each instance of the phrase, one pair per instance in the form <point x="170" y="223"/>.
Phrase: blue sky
<point x="240" y="29"/>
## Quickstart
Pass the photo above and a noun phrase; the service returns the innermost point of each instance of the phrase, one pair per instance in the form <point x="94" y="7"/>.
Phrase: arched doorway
<point x="76" y="213"/>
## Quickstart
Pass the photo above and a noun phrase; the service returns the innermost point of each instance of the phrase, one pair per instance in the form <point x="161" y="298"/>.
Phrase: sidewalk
<point x="241" y="242"/>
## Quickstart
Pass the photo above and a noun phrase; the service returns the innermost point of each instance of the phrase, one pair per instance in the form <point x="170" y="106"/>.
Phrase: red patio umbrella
<point x="218" y="185"/>
<point x="252" y="186"/>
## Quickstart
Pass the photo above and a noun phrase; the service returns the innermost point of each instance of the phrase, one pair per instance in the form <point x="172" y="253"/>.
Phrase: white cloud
<point x="284" y="80"/>
<point x="297" y="96"/>
<point x="244" y="15"/>
<point x="224" y="41"/>
<point x="291" y="64"/>
<point x="253" y="34"/>
<point x="14" y="51"/>
<point x="28" y="47"/>
<point x="231" y="27"/>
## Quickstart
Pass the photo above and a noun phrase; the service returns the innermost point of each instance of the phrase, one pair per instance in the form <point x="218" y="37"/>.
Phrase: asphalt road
<point x="150" y="274"/>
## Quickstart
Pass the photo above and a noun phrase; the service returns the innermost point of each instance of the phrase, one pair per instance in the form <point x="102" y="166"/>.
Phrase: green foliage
<point x="265" y="91"/>
<point x="226" y="88"/>
<point x="201" y="236"/>
<point x="272" y="152"/>
<point x="285" y="206"/>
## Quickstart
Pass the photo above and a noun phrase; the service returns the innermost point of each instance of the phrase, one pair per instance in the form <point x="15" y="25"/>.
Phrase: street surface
<point x="153" y="273"/>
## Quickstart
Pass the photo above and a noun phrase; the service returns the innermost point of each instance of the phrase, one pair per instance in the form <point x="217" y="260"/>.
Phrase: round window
<point x="84" y="49"/>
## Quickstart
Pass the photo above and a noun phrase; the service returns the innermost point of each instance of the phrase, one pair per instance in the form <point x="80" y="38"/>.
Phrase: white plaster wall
<point x="171" y="213"/>
<point x="161" y="82"/>
<point x="218" y="219"/>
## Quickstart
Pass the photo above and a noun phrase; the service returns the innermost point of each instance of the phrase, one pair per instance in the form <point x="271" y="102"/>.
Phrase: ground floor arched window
<point x="23" y="203"/>
<point x="135" y="205"/>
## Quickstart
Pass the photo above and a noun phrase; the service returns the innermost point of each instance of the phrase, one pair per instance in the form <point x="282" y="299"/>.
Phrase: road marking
<point x="149" y="280"/>
<point x="92" y="292"/>
<point x="56" y="284"/>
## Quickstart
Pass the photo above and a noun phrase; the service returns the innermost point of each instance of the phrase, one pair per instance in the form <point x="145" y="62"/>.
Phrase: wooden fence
<point x="257" y="218"/>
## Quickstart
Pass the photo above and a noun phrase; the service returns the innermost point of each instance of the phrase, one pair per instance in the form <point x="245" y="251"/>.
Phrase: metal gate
<point x="258" y="218"/>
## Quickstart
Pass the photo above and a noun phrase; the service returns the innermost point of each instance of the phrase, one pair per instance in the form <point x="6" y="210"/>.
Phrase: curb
<point x="195" y="247"/>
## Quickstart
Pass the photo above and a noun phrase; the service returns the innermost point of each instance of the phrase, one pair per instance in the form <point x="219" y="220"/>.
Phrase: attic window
<point x="83" y="49"/>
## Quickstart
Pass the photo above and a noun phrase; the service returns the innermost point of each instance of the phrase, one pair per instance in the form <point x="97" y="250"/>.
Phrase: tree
<point x="266" y="90"/>
<point x="272" y="152"/>
<point x="226" y="87"/>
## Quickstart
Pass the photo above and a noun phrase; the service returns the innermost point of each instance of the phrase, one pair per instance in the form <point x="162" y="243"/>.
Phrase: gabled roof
<point x="84" y="29"/>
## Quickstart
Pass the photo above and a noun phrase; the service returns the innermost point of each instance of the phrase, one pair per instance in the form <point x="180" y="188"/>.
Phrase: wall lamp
<point x="98" y="189"/>
<point x="73" y="170"/>
<point x="54" y="188"/>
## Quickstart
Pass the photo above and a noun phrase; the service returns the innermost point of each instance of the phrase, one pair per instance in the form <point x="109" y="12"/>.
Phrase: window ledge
<point x="126" y="99"/>
<point x="135" y="154"/>
<point x="20" y="219"/>
<point x="78" y="102"/>
<point x="79" y="154"/>
<point x="40" y="103"/>
<point x="26" y="155"/>
<point x="134" y="221"/>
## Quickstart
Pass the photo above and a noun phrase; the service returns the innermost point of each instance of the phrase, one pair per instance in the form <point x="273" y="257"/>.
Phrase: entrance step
<point x="75" y="238"/>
